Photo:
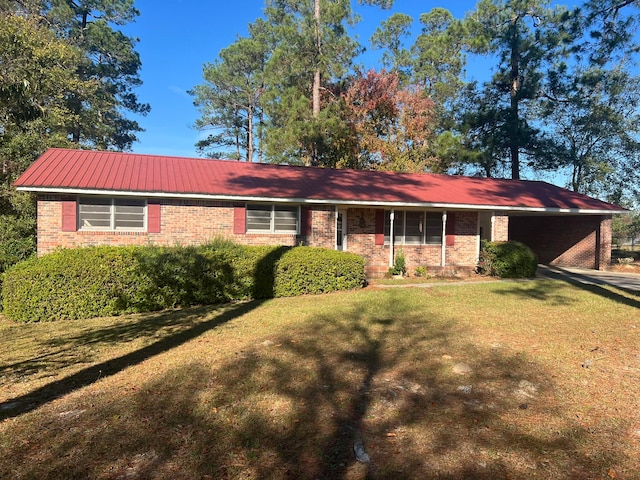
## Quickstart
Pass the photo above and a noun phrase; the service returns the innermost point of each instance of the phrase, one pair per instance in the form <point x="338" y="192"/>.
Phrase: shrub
<point x="103" y="281"/>
<point x="507" y="260"/>
<point x="70" y="284"/>
<point x="399" y="264"/>
<point x="17" y="240"/>
<point x="309" y="270"/>
<point x="420" y="271"/>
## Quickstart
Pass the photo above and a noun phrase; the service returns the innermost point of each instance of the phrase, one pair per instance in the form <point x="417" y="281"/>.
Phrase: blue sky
<point x="177" y="38"/>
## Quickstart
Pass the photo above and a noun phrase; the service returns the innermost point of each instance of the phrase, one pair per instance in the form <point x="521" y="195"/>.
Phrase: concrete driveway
<point x="627" y="281"/>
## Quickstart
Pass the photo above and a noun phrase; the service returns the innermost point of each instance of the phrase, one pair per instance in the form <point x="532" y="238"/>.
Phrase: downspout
<point x="443" y="259"/>
<point x="391" y="237"/>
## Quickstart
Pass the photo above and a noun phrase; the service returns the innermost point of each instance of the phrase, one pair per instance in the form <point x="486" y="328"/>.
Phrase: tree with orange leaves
<point x="394" y="127"/>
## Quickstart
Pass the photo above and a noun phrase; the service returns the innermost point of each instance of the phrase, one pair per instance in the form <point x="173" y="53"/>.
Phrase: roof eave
<point x="324" y="201"/>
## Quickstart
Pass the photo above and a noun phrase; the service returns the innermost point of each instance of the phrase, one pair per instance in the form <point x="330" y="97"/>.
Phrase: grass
<point x="286" y="388"/>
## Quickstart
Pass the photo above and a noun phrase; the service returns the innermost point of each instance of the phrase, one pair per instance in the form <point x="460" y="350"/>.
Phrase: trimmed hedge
<point x="104" y="281"/>
<point x="304" y="270"/>
<point x="507" y="260"/>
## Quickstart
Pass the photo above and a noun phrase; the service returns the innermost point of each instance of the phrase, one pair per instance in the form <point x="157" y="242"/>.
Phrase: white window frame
<point x="112" y="203"/>
<point x="272" y="218"/>
<point x="400" y="221"/>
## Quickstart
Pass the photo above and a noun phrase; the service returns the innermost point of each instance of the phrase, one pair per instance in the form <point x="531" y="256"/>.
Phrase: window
<point x="414" y="227"/>
<point x="272" y="219"/>
<point x="111" y="214"/>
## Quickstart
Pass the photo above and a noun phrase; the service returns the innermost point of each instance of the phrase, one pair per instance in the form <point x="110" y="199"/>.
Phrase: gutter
<point x="328" y="201"/>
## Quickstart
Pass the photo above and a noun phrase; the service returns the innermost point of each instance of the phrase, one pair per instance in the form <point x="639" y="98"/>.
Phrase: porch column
<point x="443" y="256"/>
<point x="391" y="237"/>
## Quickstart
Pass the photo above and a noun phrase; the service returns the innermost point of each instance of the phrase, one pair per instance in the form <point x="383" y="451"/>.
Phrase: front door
<point x="341" y="231"/>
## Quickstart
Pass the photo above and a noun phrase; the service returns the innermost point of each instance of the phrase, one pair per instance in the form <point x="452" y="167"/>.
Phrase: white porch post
<point x="391" y="237"/>
<point x="443" y="257"/>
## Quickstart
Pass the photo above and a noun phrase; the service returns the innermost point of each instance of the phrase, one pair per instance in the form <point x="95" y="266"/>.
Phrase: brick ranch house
<point x="94" y="198"/>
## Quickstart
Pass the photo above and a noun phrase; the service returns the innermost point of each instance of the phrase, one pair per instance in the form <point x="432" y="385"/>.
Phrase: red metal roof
<point x="77" y="171"/>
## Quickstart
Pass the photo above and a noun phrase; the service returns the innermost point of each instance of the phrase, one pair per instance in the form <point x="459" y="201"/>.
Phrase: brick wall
<point x="581" y="241"/>
<point x="566" y="241"/>
<point x="500" y="228"/>
<point x="361" y="240"/>
<point x="188" y="222"/>
<point x="323" y="221"/>
<point x="182" y="222"/>
<point x="464" y="251"/>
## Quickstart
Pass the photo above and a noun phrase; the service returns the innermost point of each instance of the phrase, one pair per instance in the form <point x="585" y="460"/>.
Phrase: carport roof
<point x="65" y="171"/>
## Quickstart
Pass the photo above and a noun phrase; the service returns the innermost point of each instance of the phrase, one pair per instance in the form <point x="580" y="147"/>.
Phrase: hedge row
<point x="103" y="281"/>
<point x="507" y="260"/>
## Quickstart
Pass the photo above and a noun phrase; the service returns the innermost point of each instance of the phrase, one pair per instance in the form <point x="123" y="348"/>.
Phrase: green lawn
<point x="518" y="380"/>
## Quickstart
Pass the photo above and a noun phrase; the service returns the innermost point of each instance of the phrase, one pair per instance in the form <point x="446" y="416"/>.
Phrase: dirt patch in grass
<point x="499" y="380"/>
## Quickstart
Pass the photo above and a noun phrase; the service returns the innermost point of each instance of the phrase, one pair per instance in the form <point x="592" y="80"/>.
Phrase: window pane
<point x="387" y="227"/>
<point x="413" y="227"/>
<point x="434" y="228"/>
<point x="259" y="217"/>
<point x="105" y="214"/>
<point x="398" y="227"/>
<point x="129" y="214"/>
<point x="286" y="219"/>
<point x="95" y="213"/>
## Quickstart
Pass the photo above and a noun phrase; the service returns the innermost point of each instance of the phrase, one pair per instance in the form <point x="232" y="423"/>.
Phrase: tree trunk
<point x="250" y="132"/>
<point x="514" y="128"/>
<point x="316" y="76"/>
<point x="260" y="135"/>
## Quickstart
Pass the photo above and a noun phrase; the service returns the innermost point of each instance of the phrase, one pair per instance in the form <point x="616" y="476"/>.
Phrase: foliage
<point x="97" y="90"/>
<point x="281" y="86"/>
<point x="596" y="131"/>
<point x="66" y="78"/>
<point x="70" y="284"/>
<point x="519" y="33"/>
<point x="36" y="78"/>
<point x="309" y="270"/>
<point x="591" y="105"/>
<point x="311" y="48"/>
<point x="17" y="239"/>
<point x="420" y="271"/>
<point x="626" y="227"/>
<point x="393" y="126"/>
<point x="507" y="260"/>
<point x="103" y="281"/>
<point x="110" y="61"/>
<point x="399" y="264"/>
<point x="230" y="98"/>
<point x="388" y="37"/>
<point x="536" y="113"/>
<point x="438" y="59"/>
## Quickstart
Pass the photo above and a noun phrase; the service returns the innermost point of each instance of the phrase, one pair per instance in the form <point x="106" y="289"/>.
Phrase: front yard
<point x="519" y="380"/>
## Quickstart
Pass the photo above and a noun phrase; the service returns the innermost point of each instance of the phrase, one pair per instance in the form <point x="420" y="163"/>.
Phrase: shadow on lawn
<point x="160" y="270"/>
<point x="118" y="333"/>
<point x="65" y="350"/>
<point x="542" y="290"/>
<point x="545" y="289"/>
<point x="617" y="294"/>
<point x="377" y="375"/>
